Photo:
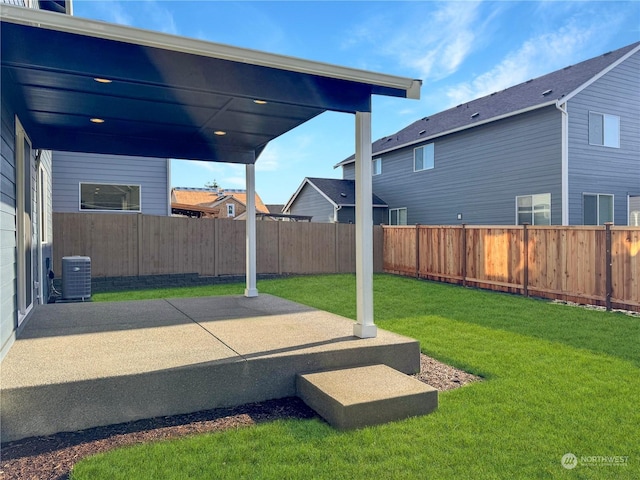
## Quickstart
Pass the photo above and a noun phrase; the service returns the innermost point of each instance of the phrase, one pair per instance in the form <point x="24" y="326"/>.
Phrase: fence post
<point x="417" y="250"/>
<point x="463" y="257"/>
<point x="216" y="246"/>
<point x="279" y="250"/>
<point x="525" y="240"/>
<point x="335" y="247"/>
<point x="608" y="263"/>
<point x="139" y="226"/>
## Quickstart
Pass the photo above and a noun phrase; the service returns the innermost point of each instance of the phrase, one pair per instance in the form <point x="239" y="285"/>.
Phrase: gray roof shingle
<point x="341" y="192"/>
<point x="533" y="93"/>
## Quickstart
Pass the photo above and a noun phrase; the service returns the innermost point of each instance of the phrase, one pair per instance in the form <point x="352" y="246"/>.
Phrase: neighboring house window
<point x="604" y="130"/>
<point x="231" y="210"/>
<point x="397" y="216"/>
<point x="376" y="166"/>
<point x="634" y="211"/>
<point x="597" y="208"/>
<point x="100" y="196"/>
<point x="423" y="158"/>
<point x="534" y="209"/>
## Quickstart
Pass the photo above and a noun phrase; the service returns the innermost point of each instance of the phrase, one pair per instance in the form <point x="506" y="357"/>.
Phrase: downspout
<point x="564" y="187"/>
<point x="335" y="213"/>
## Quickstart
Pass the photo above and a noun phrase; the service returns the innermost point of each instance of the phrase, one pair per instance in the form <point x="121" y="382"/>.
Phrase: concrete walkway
<point x="80" y="365"/>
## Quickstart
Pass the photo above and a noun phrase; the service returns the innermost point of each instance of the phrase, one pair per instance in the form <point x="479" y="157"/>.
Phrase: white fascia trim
<point x="295" y="194"/>
<point x="136" y="36"/>
<point x="598" y="76"/>
<point x="454" y="130"/>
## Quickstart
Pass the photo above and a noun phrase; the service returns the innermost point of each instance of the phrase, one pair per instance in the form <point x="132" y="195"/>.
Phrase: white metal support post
<point x="251" y="290"/>
<point x="364" y="327"/>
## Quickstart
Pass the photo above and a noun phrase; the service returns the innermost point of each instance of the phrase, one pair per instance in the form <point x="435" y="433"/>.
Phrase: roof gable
<point x="339" y="192"/>
<point x="212" y="196"/>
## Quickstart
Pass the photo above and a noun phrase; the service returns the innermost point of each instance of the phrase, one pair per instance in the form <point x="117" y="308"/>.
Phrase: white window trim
<point x="629" y="223"/>
<point x="532" y="207"/>
<point x="231" y="210"/>
<point x="414" y="158"/>
<point x="20" y="166"/>
<point x="598" y="195"/>
<point x="603" y="121"/>
<point x="396" y="210"/>
<point x="376" y="161"/>
<point x="80" y="209"/>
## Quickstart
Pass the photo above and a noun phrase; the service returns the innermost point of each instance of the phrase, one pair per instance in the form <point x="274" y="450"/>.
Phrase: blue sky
<point x="460" y="50"/>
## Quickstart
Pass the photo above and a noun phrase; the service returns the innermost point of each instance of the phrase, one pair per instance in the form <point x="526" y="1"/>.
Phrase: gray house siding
<point x="348" y="215"/>
<point x="39" y="175"/>
<point x="310" y="202"/>
<point x="597" y="169"/>
<point x="8" y="266"/>
<point x="478" y="172"/>
<point x="349" y="171"/>
<point x="70" y="169"/>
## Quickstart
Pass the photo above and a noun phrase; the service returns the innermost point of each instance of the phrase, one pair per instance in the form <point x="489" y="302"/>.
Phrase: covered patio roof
<point x="160" y="95"/>
<point x="85" y="86"/>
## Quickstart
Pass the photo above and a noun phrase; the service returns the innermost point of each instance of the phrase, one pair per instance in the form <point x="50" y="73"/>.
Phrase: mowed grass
<point x="558" y="380"/>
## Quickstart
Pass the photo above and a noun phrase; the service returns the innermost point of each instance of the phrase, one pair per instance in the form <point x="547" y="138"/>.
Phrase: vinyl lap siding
<point x="595" y="169"/>
<point x="69" y="169"/>
<point x="8" y="267"/>
<point x="479" y="172"/>
<point x="310" y="202"/>
<point x="349" y="171"/>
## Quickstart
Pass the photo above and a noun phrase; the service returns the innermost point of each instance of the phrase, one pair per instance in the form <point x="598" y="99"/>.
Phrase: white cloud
<point x="285" y="151"/>
<point x="537" y="56"/>
<point x="431" y="38"/>
<point x="114" y="12"/>
<point x="161" y="18"/>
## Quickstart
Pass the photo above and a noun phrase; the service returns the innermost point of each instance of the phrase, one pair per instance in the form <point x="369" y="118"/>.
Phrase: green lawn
<point x="559" y="379"/>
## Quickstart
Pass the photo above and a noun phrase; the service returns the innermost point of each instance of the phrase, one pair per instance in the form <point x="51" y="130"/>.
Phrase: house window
<point x="231" y="210"/>
<point x="100" y="196"/>
<point x="533" y="209"/>
<point x="604" y="130"/>
<point x="597" y="208"/>
<point x="423" y="158"/>
<point x="397" y="216"/>
<point x="634" y="211"/>
<point x="376" y="166"/>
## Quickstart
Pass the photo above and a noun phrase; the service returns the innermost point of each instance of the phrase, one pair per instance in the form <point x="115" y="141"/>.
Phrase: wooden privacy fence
<point x="133" y="245"/>
<point x="592" y="265"/>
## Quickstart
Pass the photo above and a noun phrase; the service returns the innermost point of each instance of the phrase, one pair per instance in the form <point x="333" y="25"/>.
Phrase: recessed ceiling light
<point x="97" y="120"/>
<point x="260" y="102"/>
<point x="102" y="80"/>
<point x="219" y="133"/>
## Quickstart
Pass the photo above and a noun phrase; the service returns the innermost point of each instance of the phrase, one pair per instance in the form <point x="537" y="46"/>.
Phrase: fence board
<point x="566" y="263"/>
<point x="131" y="245"/>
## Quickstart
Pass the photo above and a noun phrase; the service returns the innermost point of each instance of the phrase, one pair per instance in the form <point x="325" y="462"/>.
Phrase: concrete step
<point x="362" y="396"/>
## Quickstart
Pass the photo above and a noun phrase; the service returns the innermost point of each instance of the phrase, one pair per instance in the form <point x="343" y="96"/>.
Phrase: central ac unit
<point x="76" y="278"/>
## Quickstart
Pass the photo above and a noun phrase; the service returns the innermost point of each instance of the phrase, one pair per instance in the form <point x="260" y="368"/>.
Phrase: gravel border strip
<point x="52" y="457"/>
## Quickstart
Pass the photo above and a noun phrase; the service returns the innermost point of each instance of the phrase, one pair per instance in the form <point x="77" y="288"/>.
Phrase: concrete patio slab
<point x="81" y="365"/>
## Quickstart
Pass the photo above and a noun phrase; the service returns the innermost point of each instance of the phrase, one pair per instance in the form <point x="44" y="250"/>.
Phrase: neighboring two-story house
<point x="561" y="149"/>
